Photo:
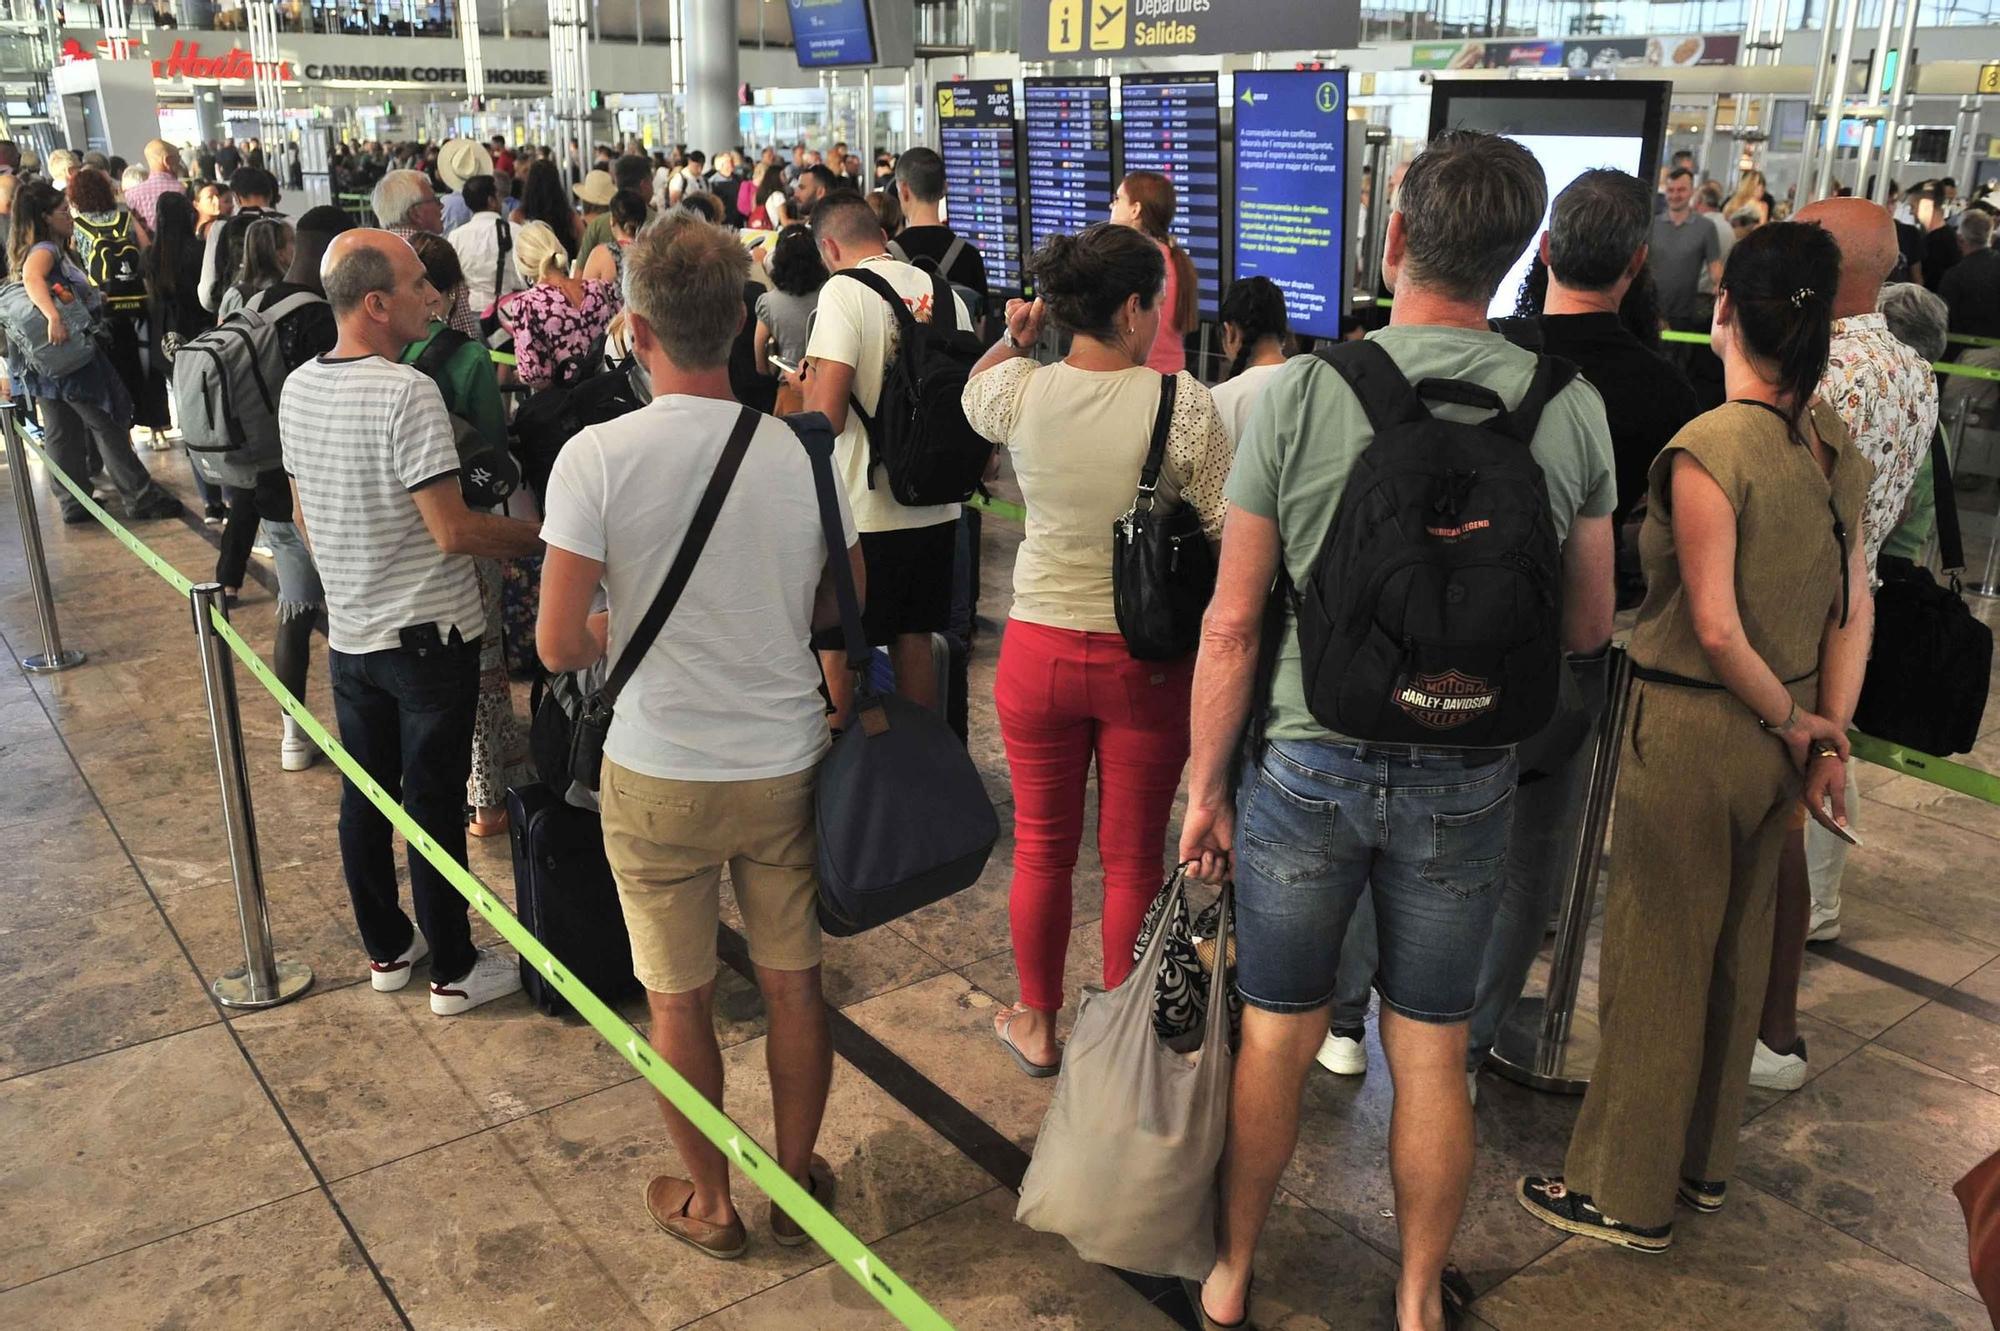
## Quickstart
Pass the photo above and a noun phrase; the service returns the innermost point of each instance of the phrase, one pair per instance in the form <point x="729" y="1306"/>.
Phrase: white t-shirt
<point x="729" y="690"/>
<point x="854" y="326"/>
<point x="477" y="243"/>
<point x="1236" y="398"/>
<point x="359" y="436"/>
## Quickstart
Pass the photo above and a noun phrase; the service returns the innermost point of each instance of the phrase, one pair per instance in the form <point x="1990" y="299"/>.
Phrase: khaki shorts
<point x="668" y="842"/>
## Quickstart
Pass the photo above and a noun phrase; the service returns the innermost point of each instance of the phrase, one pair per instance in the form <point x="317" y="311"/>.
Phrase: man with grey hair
<point x="1467" y="208"/>
<point x="406" y="204"/>
<point x="1972" y="287"/>
<point x="719" y="731"/>
<point x="375" y="491"/>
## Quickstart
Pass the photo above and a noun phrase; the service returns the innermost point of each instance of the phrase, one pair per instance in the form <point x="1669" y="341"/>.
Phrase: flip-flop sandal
<point x="1192" y="1289"/>
<point x="670" y="1212"/>
<point x="1026" y="1064"/>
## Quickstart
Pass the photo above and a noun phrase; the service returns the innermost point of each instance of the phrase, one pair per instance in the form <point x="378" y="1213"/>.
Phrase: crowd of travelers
<point x="1390" y="818"/>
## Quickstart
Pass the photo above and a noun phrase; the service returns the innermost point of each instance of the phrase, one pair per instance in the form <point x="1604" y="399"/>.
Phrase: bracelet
<point x="1791" y="719"/>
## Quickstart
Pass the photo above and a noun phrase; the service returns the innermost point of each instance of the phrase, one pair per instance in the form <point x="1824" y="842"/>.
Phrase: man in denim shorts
<point x="1320" y="817"/>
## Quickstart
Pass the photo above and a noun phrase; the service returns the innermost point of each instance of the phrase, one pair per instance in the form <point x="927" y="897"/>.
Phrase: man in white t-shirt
<point x="485" y="246"/>
<point x="717" y="736"/>
<point x="374" y="471"/>
<point x="909" y="550"/>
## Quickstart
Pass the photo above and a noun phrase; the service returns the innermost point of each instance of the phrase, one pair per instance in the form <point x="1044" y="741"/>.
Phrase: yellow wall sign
<point x="1989" y="78"/>
<point x="1056" y="28"/>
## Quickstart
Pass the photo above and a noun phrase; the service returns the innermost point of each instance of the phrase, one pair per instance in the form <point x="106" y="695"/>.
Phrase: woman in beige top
<point x="1067" y="691"/>
<point x="1749" y="653"/>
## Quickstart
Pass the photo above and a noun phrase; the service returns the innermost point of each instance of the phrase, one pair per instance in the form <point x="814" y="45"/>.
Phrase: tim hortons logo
<point x="186" y="61"/>
<point x="1445" y="701"/>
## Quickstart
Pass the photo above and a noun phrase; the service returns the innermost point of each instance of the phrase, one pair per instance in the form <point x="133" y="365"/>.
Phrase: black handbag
<point x="570" y="723"/>
<point x="903" y="818"/>
<point x="1162" y="566"/>
<point x="1932" y="660"/>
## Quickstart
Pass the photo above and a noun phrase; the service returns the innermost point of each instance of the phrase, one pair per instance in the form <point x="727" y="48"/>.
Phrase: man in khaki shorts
<point x="718" y="734"/>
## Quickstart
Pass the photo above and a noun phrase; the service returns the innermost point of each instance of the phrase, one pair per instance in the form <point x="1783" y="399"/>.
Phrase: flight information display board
<point x="827" y="33"/>
<point x="1171" y="124"/>
<point x="1291" y="183"/>
<point x="982" y="187"/>
<point x="1067" y="125"/>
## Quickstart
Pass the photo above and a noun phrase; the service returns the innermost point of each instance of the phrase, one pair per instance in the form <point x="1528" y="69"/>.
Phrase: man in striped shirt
<point x="374" y="472"/>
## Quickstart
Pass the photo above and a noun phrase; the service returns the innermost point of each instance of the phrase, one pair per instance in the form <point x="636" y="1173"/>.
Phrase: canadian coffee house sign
<point x="187" y="61"/>
<point x="1085" y="29"/>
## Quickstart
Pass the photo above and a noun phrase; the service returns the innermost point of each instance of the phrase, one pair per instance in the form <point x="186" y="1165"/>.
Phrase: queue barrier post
<point x="53" y="656"/>
<point x="1538" y="1044"/>
<point x="264" y="980"/>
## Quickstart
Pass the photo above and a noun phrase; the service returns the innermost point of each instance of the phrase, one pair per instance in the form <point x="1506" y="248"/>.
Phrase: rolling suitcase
<point x="564" y="893"/>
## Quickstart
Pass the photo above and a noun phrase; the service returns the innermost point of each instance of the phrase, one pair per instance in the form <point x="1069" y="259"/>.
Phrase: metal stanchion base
<point x="42" y="664"/>
<point x="1984" y="589"/>
<point x="1516" y="1052"/>
<point x="233" y="989"/>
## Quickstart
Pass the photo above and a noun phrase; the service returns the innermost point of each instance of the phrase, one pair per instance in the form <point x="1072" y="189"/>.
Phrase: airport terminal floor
<point x="350" y="1161"/>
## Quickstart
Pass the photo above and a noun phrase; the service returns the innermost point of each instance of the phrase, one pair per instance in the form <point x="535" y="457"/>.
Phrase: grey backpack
<point x="226" y="386"/>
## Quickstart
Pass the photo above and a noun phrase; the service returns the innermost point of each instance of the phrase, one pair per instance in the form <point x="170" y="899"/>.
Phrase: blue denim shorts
<point x="1319" y="822"/>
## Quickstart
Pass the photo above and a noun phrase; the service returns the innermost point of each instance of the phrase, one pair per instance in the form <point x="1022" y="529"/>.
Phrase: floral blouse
<point x="550" y="333"/>
<point x="1887" y="397"/>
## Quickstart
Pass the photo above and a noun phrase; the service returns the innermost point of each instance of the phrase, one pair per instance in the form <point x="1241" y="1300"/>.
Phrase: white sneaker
<point x="1342" y="1055"/>
<point x="493" y="975"/>
<point x="296" y="752"/>
<point x="389" y="976"/>
<point x="1824" y="926"/>
<point x="1778" y="1072"/>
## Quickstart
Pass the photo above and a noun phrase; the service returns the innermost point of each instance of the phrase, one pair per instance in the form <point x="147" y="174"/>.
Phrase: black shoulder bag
<point x="1932" y="660"/>
<point x="1162" y="566"/>
<point x="570" y="726"/>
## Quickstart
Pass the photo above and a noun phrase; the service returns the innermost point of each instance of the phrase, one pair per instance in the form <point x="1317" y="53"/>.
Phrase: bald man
<point x="163" y="168"/>
<point x="375" y="489"/>
<point x="1886" y="395"/>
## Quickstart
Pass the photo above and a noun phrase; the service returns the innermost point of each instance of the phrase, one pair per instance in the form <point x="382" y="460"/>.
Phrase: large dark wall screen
<point x="1172" y="124"/>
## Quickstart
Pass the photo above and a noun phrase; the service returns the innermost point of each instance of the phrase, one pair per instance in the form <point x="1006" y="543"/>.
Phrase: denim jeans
<point x="1423" y="831"/>
<point x="407" y="717"/>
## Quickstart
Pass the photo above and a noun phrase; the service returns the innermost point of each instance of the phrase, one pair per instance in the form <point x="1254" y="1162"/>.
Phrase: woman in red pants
<point x="1067" y="691"/>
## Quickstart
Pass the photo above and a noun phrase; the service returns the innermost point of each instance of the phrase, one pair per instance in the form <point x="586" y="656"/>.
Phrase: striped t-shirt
<point x="359" y="435"/>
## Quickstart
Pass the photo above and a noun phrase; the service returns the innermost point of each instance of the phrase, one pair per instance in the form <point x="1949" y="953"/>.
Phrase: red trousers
<point x="1063" y="698"/>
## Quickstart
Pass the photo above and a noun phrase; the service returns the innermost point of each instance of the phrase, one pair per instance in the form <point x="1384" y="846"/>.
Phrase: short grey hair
<point x="1917" y="318"/>
<point x="350" y="275"/>
<point x="1470" y="204"/>
<point x="1598" y="224"/>
<point x="1975" y="229"/>
<point x="685" y="277"/>
<point x="396" y="195"/>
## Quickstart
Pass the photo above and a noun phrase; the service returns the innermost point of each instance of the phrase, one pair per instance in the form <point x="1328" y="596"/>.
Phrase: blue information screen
<point x="982" y="187"/>
<point x="1068" y="131"/>
<point x="832" y="32"/>
<point x="1291" y="178"/>
<point x="1171" y="124"/>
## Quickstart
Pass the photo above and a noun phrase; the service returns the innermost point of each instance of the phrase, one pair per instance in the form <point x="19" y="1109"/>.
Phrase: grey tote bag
<point x="1125" y="1167"/>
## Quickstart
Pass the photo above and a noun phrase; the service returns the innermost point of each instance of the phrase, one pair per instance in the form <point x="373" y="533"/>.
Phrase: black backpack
<point x="486" y="472"/>
<point x="584" y="394"/>
<point x="919" y="435"/>
<point x="1433" y="612"/>
<point x="115" y="268"/>
<point x="1932" y="660"/>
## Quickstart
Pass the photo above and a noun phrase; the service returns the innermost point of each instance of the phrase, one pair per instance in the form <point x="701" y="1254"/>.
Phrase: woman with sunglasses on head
<point x="1747" y="657"/>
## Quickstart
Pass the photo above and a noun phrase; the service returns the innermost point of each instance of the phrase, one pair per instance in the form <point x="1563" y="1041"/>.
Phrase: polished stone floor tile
<point x="1848" y="1150"/>
<point x="1951" y="1041"/>
<point x="1885" y="966"/>
<point x="1082" y="966"/>
<point x="1915" y="795"/>
<point x="80" y="986"/>
<point x="60" y="867"/>
<point x="106" y="1154"/>
<point x="178" y="840"/>
<point x="368" y="1077"/>
<point x="975" y="924"/>
<point x="1930" y="869"/>
<point x="1826" y="1045"/>
<point x="543" y="1222"/>
<point x="310" y="921"/>
<point x="1758" y="1264"/>
<point x="1313" y="1275"/>
<point x="854" y="969"/>
<point x="976" y="1268"/>
<point x="42" y="783"/>
<point x="288" y="1263"/>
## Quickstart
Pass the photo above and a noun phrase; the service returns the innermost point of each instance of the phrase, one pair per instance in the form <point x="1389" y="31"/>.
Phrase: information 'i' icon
<point x="1065" y="25"/>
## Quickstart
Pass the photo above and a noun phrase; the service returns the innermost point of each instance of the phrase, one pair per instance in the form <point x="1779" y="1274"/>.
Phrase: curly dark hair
<point x="91" y="191"/>
<point x="796" y="269"/>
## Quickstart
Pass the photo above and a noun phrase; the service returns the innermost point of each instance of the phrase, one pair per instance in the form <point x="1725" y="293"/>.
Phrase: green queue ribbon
<point x="999" y="508"/>
<point x="854" y="1257"/>
<point x="1953" y="776"/>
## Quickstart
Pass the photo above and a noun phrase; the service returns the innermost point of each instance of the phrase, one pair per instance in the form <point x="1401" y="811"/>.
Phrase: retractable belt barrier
<point x="1942" y="366"/>
<point x="868" y="1270"/>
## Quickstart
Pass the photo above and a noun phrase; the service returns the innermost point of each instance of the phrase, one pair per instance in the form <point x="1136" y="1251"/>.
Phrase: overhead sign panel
<point x="828" y="33"/>
<point x="982" y="186"/>
<point x="1171" y="124"/>
<point x="1059" y="29"/>
<point x="1291" y="181"/>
